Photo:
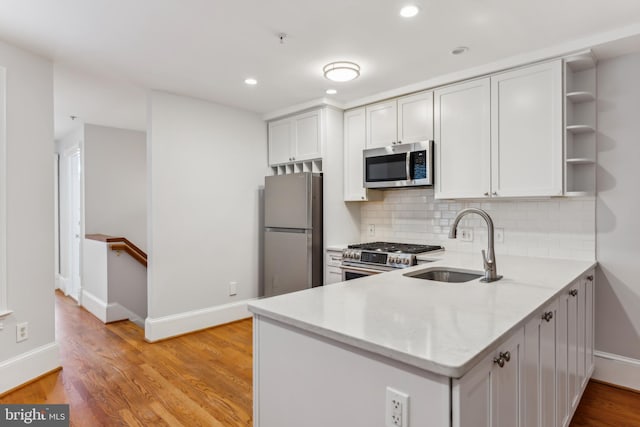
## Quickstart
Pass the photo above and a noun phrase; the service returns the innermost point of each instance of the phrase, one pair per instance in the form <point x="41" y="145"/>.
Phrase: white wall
<point x="618" y="208"/>
<point x="206" y="168"/>
<point x="552" y="228"/>
<point x="30" y="254"/>
<point x="115" y="183"/>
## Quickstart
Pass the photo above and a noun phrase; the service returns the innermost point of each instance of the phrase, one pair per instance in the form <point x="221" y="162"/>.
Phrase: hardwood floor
<point x="603" y="405"/>
<point x="112" y="377"/>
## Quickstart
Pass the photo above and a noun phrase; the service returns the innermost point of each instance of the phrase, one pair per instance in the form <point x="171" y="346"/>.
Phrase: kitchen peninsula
<point x="518" y="351"/>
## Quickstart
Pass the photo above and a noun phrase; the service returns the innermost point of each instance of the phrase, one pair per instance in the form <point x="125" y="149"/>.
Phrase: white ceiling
<point x="108" y="52"/>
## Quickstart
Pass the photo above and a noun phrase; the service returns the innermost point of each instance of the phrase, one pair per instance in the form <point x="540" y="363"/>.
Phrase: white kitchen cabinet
<point x="296" y="138"/>
<point x="526" y="131"/>
<point x="489" y="395"/>
<point x="463" y="140"/>
<point x="540" y="369"/>
<point x="355" y="139"/>
<point x="406" y="119"/>
<point x="589" y="327"/>
<point x="500" y="136"/>
<point x="333" y="272"/>
<point x="382" y="124"/>
<point x="415" y="118"/>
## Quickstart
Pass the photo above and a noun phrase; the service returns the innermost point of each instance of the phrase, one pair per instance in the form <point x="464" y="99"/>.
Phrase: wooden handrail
<point x="121" y="244"/>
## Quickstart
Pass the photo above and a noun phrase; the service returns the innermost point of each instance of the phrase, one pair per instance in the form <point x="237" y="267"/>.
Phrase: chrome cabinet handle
<point x="573" y="292"/>
<point x="486" y="194"/>
<point x="547" y="316"/>
<point x="495" y="193"/>
<point x="506" y="356"/>
<point x="499" y="361"/>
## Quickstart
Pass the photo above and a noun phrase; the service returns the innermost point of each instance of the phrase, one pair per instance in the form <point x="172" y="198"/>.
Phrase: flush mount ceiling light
<point x="409" y="11"/>
<point x="250" y="81"/>
<point x="459" y="50"/>
<point x="341" y="71"/>
<point x="331" y="91"/>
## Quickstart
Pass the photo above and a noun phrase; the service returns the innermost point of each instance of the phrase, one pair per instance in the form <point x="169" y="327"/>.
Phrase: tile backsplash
<point x="548" y="228"/>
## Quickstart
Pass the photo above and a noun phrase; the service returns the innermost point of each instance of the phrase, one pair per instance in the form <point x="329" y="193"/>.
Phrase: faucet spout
<point x="488" y="257"/>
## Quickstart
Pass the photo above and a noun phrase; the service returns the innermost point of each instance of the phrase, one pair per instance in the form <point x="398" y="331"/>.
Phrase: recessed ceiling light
<point x="409" y="11"/>
<point x="331" y="91"/>
<point x="341" y="71"/>
<point x="459" y="50"/>
<point x="251" y="81"/>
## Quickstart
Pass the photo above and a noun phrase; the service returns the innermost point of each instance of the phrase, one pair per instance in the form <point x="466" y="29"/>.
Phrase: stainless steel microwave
<point x="402" y="165"/>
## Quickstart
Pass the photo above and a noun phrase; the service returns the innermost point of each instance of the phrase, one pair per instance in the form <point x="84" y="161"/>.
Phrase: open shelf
<point x="314" y="166"/>
<point x="580" y="194"/>
<point x="579" y="96"/>
<point x="581" y="62"/>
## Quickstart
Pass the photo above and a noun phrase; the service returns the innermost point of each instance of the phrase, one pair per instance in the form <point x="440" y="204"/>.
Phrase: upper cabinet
<point x="415" y="118"/>
<point x="526" y="132"/>
<point x="354" y="142"/>
<point x="463" y="140"/>
<point x="501" y="136"/>
<point x="402" y="120"/>
<point x="382" y="128"/>
<point x="296" y="138"/>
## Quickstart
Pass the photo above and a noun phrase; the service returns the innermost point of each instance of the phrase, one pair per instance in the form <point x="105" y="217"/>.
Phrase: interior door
<point x="75" y="224"/>
<point x="287" y="261"/>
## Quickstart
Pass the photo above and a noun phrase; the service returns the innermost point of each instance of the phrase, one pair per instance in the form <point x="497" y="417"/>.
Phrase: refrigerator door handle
<point x="287" y="230"/>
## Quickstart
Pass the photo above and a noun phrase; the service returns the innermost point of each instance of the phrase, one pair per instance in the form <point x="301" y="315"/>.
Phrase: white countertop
<point x="440" y="327"/>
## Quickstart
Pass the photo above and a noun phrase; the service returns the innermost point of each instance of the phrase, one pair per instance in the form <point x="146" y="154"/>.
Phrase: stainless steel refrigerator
<point x="292" y="233"/>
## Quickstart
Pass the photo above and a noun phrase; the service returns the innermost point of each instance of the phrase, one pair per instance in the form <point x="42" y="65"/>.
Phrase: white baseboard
<point x="618" y="370"/>
<point x="111" y="312"/>
<point x="94" y="305"/>
<point x="177" y="324"/>
<point x="27" y="366"/>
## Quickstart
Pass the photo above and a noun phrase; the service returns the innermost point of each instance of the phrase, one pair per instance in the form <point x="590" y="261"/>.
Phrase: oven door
<point x="350" y="272"/>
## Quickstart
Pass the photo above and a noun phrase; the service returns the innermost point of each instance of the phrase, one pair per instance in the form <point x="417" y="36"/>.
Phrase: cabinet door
<point x="539" y="369"/>
<point x="463" y="140"/>
<point x="415" y="118"/>
<point x="581" y="342"/>
<point x="382" y="124"/>
<point x="589" y="339"/>
<point x="308" y="137"/>
<point x="526" y="131"/>
<point x="280" y="141"/>
<point x="572" y="345"/>
<point x="489" y="395"/>
<point x="562" y="360"/>
<point x="354" y="142"/>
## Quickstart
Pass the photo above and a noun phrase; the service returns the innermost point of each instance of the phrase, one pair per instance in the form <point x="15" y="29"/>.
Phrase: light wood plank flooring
<point x="112" y="377"/>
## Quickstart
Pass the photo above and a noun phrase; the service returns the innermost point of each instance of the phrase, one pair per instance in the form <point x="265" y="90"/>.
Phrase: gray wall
<point x="618" y="207"/>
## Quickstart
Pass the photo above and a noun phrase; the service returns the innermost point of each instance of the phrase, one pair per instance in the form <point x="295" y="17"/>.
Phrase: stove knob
<point x="405" y="261"/>
<point x="392" y="260"/>
<point x="357" y="255"/>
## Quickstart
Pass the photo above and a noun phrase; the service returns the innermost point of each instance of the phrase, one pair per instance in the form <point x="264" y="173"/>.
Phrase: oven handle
<point x="362" y="270"/>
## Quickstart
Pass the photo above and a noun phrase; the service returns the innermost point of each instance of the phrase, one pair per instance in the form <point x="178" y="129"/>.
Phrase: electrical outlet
<point x="397" y="409"/>
<point x="233" y="288"/>
<point x="466" y="234"/>
<point x="22" y="331"/>
<point x="372" y="230"/>
<point x="499" y="235"/>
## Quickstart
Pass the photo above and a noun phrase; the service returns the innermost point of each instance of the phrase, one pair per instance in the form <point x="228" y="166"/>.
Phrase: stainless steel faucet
<point x="490" y="271"/>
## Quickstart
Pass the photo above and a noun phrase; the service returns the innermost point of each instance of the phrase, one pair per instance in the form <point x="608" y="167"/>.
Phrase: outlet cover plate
<point x="397" y="409"/>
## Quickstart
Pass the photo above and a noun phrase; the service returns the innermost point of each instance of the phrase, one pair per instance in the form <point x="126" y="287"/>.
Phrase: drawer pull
<point x="548" y="316"/>
<point x="573" y="292"/>
<point x="499" y="361"/>
<point x="506" y="356"/>
<point x="590" y="278"/>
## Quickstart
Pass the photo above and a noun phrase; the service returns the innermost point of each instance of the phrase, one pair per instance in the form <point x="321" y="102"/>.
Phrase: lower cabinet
<point x="333" y="272"/>
<point x="489" y="394"/>
<point x="537" y="377"/>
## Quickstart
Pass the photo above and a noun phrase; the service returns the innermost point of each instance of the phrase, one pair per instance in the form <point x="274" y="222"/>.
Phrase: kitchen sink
<point x="444" y="274"/>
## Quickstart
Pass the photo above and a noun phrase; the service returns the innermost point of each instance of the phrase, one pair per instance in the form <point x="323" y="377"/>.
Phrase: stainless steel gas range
<point x="365" y="259"/>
